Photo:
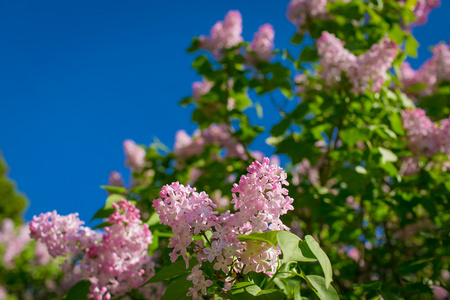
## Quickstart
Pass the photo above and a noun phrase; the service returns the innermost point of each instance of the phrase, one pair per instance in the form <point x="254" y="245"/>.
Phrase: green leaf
<point x="114" y="189"/>
<point x="411" y="46"/>
<point x="397" y="124"/>
<point x="113" y="199"/>
<point x="102" y="225"/>
<point x="176" y="269"/>
<point x="293" y="248"/>
<point x="415" y="88"/>
<point x="396" y="34"/>
<point x="352" y="135"/>
<point x="308" y="54"/>
<point x="79" y="291"/>
<point x="194" y="46"/>
<point x="103" y="213"/>
<point x="297" y="39"/>
<point x="387" y="155"/>
<point x="281" y="127"/>
<point x="247" y="292"/>
<point x="153" y="220"/>
<point x="413" y="266"/>
<point x="267" y="236"/>
<point x="318" y="283"/>
<point x="360" y="170"/>
<point x="199" y="61"/>
<point x="259" y="110"/>
<point x="178" y="289"/>
<point x="242" y="284"/>
<point x="323" y="259"/>
<point x="271" y="294"/>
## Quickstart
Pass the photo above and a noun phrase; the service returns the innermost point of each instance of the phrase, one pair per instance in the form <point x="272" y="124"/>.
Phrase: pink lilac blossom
<point x="410" y="166"/>
<point x="135" y="155"/>
<point x="369" y="73"/>
<point x="224" y="34"/>
<point x="115" y="179"/>
<point x="259" y="200"/>
<point x="431" y="73"/>
<point x="114" y="262"/>
<point x="426" y="75"/>
<point x="200" y="88"/>
<point x="365" y="72"/>
<point x="445" y="136"/>
<point x="439" y="293"/>
<point x="15" y="241"/>
<point x="301" y="11"/>
<point x="3" y="293"/>
<point x="262" y="44"/>
<point x="185" y="146"/>
<point x="423" y="9"/>
<point x="423" y="135"/>
<point x="441" y="60"/>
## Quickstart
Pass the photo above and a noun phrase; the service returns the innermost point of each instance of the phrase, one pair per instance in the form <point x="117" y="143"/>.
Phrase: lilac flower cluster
<point x="423" y="9"/>
<point x="262" y="45"/>
<point x="300" y="12"/>
<point x="134" y="154"/>
<point x="224" y="34"/>
<point x="15" y="241"/>
<point x="186" y="146"/>
<point x="200" y="88"/>
<point x="425" y="138"/>
<point x="365" y="72"/>
<point x="114" y="262"/>
<point x="259" y="200"/>
<point x="430" y="74"/>
<point x="115" y="179"/>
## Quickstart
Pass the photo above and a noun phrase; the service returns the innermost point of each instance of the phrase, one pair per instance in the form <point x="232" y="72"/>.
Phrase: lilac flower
<point x="134" y="154"/>
<point x="423" y="134"/>
<point x="259" y="200"/>
<point x="200" y="88"/>
<point x="426" y="75"/>
<point x="423" y="9"/>
<point x="433" y="71"/>
<point x="262" y="44"/>
<point x="365" y="72"/>
<point x="115" y="179"/>
<point x="114" y="262"/>
<point x="441" y="60"/>
<point x="224" y="34"/>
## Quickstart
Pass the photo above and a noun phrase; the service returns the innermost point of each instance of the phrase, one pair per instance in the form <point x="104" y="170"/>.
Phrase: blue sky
<point x="79" y="77"/>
